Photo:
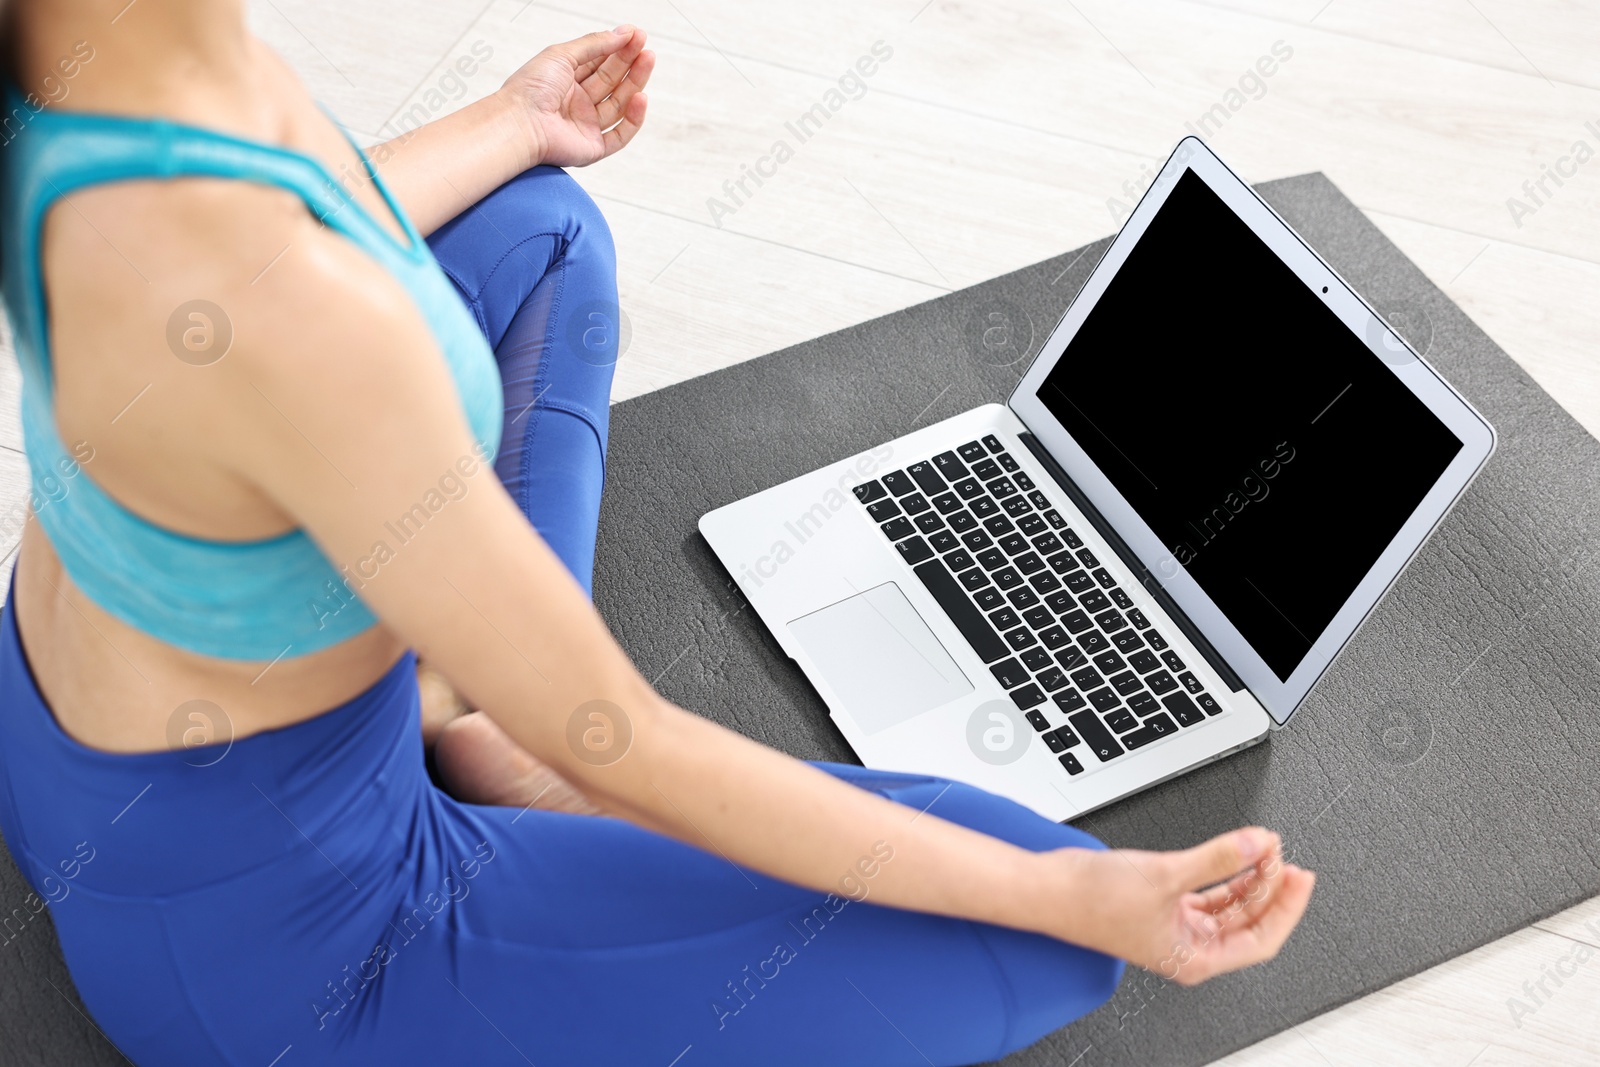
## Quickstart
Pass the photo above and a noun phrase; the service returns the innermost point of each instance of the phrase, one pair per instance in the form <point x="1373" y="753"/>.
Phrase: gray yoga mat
<point x="1439" y="779"/>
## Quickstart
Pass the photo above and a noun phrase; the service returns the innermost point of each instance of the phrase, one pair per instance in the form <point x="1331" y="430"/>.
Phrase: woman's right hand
<point x="1189" y="915"/>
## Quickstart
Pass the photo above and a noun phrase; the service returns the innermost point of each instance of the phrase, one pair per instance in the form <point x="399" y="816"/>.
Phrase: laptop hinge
<point x="1134" y="564"/>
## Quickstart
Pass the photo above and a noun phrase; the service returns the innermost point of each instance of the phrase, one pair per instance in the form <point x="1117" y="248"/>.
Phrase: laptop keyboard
<point x="1091" y="672"/>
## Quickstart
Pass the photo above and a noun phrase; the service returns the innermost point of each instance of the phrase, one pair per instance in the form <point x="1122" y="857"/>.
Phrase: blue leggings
<point x="307" y="896"/>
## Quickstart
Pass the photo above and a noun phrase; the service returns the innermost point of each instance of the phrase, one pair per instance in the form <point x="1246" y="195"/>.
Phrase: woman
<point x="260" y="414"/>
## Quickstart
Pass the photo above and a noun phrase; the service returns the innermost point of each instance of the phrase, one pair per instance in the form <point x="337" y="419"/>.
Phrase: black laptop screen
<point x="1271" y="452"/>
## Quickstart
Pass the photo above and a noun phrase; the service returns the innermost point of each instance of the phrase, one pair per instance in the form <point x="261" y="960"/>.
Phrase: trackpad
<point x="880" y="658"/>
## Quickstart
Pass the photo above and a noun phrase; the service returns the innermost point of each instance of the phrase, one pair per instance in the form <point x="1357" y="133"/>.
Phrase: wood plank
<point x="1458" y="1013"/>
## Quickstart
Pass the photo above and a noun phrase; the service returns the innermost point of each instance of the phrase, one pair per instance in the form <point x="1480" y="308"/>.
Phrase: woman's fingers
<point x="608" y="72"/>
<point x="1240" y="944"/>
<point x="632" y="118"/>
<point x="613" y="107"/>
<point x="590" y="50"/>
<point x="1223" y="856"/>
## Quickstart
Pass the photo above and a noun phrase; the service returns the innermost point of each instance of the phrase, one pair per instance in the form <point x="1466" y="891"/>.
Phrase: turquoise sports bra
<point x="246" y="600"/>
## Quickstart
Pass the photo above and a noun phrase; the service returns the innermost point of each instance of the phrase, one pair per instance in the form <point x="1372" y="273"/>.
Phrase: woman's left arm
<point x="568" y="106"/>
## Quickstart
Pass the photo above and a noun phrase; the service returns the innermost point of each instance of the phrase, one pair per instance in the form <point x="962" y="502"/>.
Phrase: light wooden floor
<point x="993" y="137"/>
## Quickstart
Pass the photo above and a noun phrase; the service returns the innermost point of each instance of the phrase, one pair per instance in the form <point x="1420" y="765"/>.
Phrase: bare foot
<point x="479" y="764"/>
<point x="441" y="705"/>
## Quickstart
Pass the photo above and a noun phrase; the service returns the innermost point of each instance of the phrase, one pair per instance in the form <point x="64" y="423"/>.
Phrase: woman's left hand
<point x="582" y="100"/>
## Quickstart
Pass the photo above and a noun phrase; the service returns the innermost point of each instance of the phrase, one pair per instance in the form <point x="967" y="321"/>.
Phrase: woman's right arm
<point x="340" y="408"/>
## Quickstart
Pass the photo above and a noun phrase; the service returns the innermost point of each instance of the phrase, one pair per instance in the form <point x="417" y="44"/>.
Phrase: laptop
<point x="1213" y="469"/>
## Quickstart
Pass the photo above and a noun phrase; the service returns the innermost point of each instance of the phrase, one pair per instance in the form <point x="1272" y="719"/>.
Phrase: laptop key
<point x="1126" y="683"/>
<point x="962" y="521"/>
<point x="1029" y="562"/>
<point x="1072" y="539"/>
<point x="1069" y="700"/>
<point x="1070" y="762"/>
<point x="1009" y="673"/>
<point x="895" y="529"/>
<point x="1143" y="703"/>
<point x="869" y="492"/>
<point x="994" y="443"/>
<point x="1032" y="525"/>
<point x="992" y="559"/>
<point x="1191" y="683"/>
<point x="1094" y="732"/>
<point x="1071" y="658"/>
<point x="1007" y="577"/>
<point x="1045" y="582"/>
<point x="983" y="507"/>
<point x="973" y="580"/>
<point x="1088" y="558"/>
<point x="928" y="478"/>
<point x="985" y="469"/>
<point x="1005" y="619"/>
<point x="1001" y="488"/>
<point x="1086" y="678"/>
<point x="972" y="451"/>
<point x="883" y="509"/>
<point x="1122" y="720"/>
<point x="1136" y="617"/>
<point x="1037" y="659"/>
<point x="914" y="550"/>
<point x="1054" y="518"/>
<point x="1103" y="576"/>
<point x="1111" y="621"/>
<point x="1157" y="642"/>
<point x="929" y="522"/>
<point x="1093" y="601"/>
<point x="1208" y="703"/>
<point x="1039" y="618"/>
<point x="944" y="541"/>
<point x="1026" y="697"/>
<point x="1127" y="640"/>
<point x="998" y="525"/>
<point x="897" y="483"/>
<point x="1144" y="661"/>
<point x="1051" y="678"/>
<point x="1121" y="599"/>
<point x="1053" y="637"/>
<point x="1076" y="622"/>
<point x="1060" y="603"/>
<point x="1078" y="581"/>
<point x="950" y="465"/>
<point x="1016" y="468"/>
<point x="1022" y="597"/>
<point x="1014" y="543"/>
<point x="1104" y="699"/>
<point x="1017" y="507"/>
<point x="1037" y="720"/>
<point x="976" y="540"/>
<point x="1161" y="682"/>
<point x="1170" y="658"/>
<point x="1109" y="662"/>
<point x="958" y="560"/>
<point x="1154" y="729"/>
<point x="967" y="488"/>
<point x="988" y="599"/>
<point x="1183" y="709"/>
<point x="1048" y="544"/>
<point x="1021" y="638"/>
<point x="1039" y="500"/>
<point x="947" y="503"/>
<point x="1093" y="641"/>
<point x="1054" y="742"/>
<point x="968" y="619"/>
